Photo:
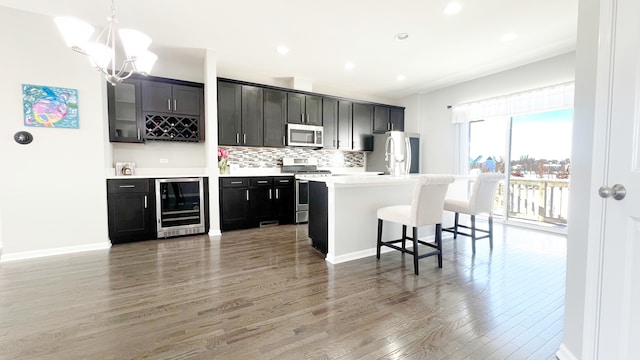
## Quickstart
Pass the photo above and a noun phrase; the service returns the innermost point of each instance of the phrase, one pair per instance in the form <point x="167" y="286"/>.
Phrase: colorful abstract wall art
<point x="50" y="106"/>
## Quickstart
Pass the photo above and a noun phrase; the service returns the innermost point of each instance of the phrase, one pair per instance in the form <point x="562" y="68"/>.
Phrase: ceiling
<point x="323" y="35"/>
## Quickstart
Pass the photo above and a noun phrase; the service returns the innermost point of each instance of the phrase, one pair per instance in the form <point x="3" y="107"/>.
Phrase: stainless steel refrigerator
<point x="376" y="158"/>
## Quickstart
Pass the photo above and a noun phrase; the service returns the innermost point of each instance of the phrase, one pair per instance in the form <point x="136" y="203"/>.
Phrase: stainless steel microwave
<point x="304" y="135"/>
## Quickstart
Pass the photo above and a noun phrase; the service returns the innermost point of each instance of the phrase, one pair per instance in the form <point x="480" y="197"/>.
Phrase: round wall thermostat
<point x="23" y="137"/>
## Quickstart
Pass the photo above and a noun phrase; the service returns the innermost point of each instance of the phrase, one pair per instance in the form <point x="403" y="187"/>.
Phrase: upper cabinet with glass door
<point x="125" y="117"/>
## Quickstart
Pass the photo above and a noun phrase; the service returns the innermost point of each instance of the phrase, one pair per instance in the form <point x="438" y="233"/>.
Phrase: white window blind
<point x="549" y="98"/>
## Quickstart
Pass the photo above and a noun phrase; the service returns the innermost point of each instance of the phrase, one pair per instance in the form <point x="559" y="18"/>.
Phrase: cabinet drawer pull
<point x="127" y="186"/>
<point x="247" y="195"/>
<point x="169" y="104"/>
<point x="284" y="181"/>
<point x="236" y="182"/>
<point x="262" y="181"/>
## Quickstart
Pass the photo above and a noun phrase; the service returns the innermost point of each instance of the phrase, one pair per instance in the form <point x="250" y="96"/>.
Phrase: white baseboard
<point x="564" y="354"/>
<point x="215" y="232"/>
<point x="24" y="255"/>
<point x="370" y="252"/>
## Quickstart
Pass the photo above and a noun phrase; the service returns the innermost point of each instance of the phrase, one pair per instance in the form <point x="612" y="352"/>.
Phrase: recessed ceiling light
<point x="401" y="36"/>
<point x="400" y="77"/>
<point x="452" y="8"/>
<point x="349" y="66"/>
<point x="282" y="50"/>
<point x="508" y="37"/>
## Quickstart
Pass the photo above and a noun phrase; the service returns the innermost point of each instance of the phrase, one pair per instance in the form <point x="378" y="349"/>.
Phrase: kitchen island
<point x="343" y="212"/>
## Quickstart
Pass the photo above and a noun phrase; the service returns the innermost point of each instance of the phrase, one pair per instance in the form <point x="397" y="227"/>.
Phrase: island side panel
<point x="318" y="216"/>
<point x="353" y="219"/>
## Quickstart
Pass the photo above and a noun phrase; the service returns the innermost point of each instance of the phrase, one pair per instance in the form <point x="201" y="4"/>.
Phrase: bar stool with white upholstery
<point x="481" y="201"/>
<point x="425" y="209"/>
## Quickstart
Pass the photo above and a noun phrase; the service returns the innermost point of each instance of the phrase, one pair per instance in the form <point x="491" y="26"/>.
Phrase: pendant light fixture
<point x="102" y="49"/>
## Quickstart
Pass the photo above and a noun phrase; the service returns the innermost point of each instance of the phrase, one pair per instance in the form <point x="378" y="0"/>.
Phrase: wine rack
<point x="171" y="128"/>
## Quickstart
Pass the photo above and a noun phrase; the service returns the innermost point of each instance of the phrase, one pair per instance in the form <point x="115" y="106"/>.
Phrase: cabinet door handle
<point x="334" y="143"/>
<point x="283" y="141"/>
<point x="277" y="194"/>
<point x="138" y="134"/>
<point x="247" y="195"/>
<point x="127" y="186"/>
<point x="244" y="138"/>
<point x="145" y="201"/>
<point x="307" y="118"/>
<point x="237" y="138"/>
<point x="270" y="197"/>
<point x="175" y="105"/>
<point x="169" y="104"/>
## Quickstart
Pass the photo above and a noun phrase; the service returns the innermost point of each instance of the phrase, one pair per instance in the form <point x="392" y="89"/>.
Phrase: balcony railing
<point x="544" y="200"/>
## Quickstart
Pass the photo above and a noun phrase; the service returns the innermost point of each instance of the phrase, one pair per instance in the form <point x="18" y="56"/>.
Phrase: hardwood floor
<point x="265" y="293"/>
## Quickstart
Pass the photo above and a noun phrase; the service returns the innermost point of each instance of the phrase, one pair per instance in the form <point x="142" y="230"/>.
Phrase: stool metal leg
<point x="415" y="250"/>
<point x="379" y="238"/>
<point x="404" y="237"/>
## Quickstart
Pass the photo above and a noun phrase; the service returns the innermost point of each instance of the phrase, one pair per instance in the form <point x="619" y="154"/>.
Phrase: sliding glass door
<point x="535" y="149"/>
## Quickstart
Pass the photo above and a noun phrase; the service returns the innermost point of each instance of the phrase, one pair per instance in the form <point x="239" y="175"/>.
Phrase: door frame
<point x="590" y="153"/>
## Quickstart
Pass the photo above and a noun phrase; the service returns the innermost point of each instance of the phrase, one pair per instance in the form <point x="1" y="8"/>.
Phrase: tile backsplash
<point x="261" y="157"/>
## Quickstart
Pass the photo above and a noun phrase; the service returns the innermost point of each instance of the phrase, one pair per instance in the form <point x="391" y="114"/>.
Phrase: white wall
<point x="53" y="191"/>
<point x="428" y="115"/>
<point x="147" y="155"/>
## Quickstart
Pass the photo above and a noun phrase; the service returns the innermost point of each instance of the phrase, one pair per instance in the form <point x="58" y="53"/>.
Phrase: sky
<point x="541" y="136"/>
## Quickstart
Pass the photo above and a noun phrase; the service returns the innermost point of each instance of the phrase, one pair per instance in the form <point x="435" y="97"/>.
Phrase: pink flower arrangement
<point x="222" y="154"/>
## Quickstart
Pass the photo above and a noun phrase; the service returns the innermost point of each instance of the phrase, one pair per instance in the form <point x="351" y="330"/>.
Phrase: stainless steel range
<point x="303" y="169"/>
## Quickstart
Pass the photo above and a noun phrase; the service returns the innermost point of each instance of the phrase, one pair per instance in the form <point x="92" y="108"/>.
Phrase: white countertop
<point x="367" y="180"/>
<point x="156" y="176"/>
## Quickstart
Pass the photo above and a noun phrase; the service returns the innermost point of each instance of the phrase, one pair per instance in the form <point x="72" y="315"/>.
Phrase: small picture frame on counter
<point x="125" y="168"/>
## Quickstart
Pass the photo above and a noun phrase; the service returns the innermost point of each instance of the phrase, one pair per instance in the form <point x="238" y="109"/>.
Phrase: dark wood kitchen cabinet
<point x="362" y="127"/>
<point x="131" y="210"/>
<point x="234" y="203"/>
<point x="304" y="109"/>
<point x="381" y="119"/>
<point x="250" y="202"/>
<point x="285" y="209"/>
<point x="275" y="117"/>
<point x="261" y="199"/>
<point x="125" y="112"/>
<point x="396" y="119"/>
<point x="252" y="116"/>
<point x="171" y="98"/>
<point x="155" y="109"/>
<point x="240" y="114"/>
<point x="172" y="110"/>
<point x="388" y="118"/>
<point x="229" y="113"/>
<point x="345" y="124"/>
<point x="330" y="123"/>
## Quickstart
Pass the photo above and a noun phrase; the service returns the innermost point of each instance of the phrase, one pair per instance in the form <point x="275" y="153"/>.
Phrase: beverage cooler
<point x="180" y="207"/>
